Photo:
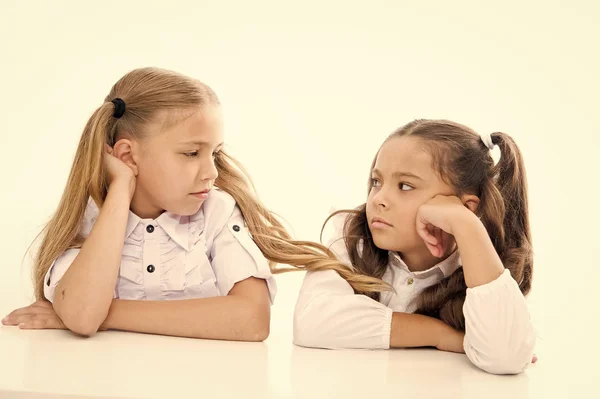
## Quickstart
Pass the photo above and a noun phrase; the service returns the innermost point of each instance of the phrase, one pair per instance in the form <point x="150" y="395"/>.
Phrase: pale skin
<point x="425" y="222"/>
<point x="149" y="177"/>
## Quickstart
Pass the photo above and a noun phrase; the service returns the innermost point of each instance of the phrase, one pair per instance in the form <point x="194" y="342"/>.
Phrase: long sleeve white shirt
<point x="499" y="336"/>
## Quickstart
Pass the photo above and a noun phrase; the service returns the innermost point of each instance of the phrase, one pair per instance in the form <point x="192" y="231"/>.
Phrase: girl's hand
<point x="39" y="315"/>
<point x="119" y="174"/>
<point x="435" y="220"/>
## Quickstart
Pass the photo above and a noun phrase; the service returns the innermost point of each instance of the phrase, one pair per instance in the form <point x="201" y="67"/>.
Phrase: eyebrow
<point x="399" y="174"/>
<point x="199" y="143"/>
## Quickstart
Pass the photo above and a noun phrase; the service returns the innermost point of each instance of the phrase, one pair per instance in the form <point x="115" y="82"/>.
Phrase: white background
<point x="310" y="89"/>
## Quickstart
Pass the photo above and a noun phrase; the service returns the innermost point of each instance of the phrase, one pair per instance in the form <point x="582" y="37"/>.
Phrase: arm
<point x="84" y="294"/>
<point x="481" y="263"/>
<point x="414" y="330"/>
<point x="330" y="315"/>
<point x="499" y="338"/>
<point x="242" y="315"/>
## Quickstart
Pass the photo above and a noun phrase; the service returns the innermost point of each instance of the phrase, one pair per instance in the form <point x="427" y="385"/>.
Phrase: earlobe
<point x="471" y="202"/>
<point x="123" y="150"/>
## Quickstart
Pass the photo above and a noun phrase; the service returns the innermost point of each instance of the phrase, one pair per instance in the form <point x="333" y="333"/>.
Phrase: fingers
<point x="432" y="236"/>
<point x="438" y="236"/>
<point x="35" y="321"/>
<point x="34" y="309"/>
<point x="43" y="324"/>
<point x="37" y="324"/>
<point x="424" y="231"/>
<point x="15" y="320"/>
<point x="30" y="310"/>
<point x="431" y="229"/>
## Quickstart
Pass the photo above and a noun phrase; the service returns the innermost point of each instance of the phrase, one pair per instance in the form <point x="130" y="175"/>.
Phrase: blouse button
<point x="236" y="227"/>
<point x="150" y="268"/>
<point x="149" y="228"/>
<point x="410" y="281"/>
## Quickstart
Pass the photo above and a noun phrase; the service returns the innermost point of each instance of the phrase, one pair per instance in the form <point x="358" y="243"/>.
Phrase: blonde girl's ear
<point x="124" y="150"/>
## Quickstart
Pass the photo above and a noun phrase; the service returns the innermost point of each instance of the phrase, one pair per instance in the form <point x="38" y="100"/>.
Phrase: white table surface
<point x="58" y="364"/>
<point x="49" y="364"/>
<point x="127" y="365"/>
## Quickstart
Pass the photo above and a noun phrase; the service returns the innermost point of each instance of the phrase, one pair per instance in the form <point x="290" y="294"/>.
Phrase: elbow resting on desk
<point x="79" y="320"/>
<point x="258" y="324"/>
<point x="310" y="325"/>
<point x="511" y="358"/>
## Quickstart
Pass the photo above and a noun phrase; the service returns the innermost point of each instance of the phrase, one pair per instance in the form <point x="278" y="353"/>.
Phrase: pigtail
<point x="506" y="211"/>
<point x="87" y="178"/>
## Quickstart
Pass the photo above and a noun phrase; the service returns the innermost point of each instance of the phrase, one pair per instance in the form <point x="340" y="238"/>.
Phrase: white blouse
<point x="179" y="257"/>
<point x="499" y="336"/>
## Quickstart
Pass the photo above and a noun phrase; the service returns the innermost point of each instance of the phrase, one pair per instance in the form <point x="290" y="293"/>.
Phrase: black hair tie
<point x="119" y="107"/>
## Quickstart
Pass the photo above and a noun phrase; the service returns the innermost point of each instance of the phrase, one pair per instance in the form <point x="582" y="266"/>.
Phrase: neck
<point x="143" y="208"/>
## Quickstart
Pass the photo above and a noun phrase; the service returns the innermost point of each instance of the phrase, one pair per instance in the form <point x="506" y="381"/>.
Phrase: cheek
<point x="165" y="175"/>
<point x="369" y="209"/>
<point x="370" y="204"/>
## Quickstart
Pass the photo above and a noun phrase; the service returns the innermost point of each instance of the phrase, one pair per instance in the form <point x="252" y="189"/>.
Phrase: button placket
<point x="151" y="259"/>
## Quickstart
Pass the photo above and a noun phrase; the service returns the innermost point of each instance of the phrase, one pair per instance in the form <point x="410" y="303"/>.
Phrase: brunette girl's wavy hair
<point x="464" y="162"/>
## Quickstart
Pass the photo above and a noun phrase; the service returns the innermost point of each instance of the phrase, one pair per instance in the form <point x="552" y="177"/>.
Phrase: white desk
<point x="45" y="364"/>
<point x="58" y="364"/>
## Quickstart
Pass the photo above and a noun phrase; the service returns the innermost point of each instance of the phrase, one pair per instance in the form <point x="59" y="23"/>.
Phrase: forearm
<point x="84" y="294"/>
<point x="228" y="318"/>
<point x="329" y="314"/>
<point x="481" y="263"/>
<point x="415" y="330"/>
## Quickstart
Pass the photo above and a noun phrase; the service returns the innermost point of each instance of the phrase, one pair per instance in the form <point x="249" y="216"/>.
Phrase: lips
<point x="380" y="220"/>
<point x="203" y="191"/>
<point x="201" y="195"/>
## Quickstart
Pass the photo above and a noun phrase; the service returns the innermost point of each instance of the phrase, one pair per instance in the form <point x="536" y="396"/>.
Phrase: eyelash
<point x="374" y="180"/>
<point x="194" y="154"/>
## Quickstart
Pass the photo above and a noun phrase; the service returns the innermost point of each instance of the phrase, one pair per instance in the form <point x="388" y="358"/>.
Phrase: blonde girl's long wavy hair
<point x="146" y="92"/>
<point x="464" y="162"/>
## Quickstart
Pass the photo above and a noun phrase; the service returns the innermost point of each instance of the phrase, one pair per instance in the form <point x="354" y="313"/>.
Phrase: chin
<point x="385" y="243"/>
<point x="187" y="210"/>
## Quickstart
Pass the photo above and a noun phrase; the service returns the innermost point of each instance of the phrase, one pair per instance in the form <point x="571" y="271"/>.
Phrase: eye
<point x="405" y="187"/>
<point x="192" y="154"/>
<point x="375" y="182"/>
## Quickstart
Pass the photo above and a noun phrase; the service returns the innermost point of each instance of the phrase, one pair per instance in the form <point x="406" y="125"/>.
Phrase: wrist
<point x="122" y="189"/>
<point x="439" y="331"/>
<point x="465" y="222"/>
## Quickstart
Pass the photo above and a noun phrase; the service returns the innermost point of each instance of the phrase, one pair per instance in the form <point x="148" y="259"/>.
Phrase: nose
<point x="380" y="199"/>
<point x="209" y="171"/>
